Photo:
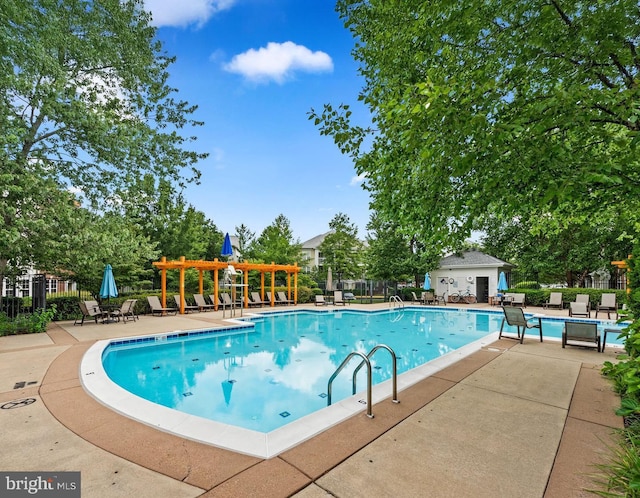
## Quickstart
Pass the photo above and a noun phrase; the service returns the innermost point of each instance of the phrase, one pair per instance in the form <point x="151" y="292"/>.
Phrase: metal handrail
<point x="396" y="300"/>
<point x="339" y="369"/>
<point x="394" y="378"/>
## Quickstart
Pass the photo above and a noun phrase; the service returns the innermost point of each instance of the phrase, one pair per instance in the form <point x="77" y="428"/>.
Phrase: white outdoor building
<point x="473" y="271"/>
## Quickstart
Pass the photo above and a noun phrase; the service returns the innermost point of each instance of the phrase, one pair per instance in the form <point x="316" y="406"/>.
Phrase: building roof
<point x="472" y="258"/>
<point x="315" y="241"/>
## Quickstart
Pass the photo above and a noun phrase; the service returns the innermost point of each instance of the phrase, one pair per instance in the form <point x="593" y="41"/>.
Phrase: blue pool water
<point x="264" y="376"/>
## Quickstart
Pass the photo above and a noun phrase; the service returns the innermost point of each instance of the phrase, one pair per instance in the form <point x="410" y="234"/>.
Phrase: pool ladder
<point x="396" y="301"/>
<point x="366" y="360"/>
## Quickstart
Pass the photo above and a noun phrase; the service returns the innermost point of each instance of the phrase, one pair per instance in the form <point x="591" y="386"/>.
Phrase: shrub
<point x="527" y="285"/>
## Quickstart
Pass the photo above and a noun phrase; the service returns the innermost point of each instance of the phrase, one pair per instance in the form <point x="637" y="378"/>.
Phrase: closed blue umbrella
<point x="427" y="282"/>
<point x="108" y="288"/>
<point x="227" y="249"/>
<point x="502" y="282"/>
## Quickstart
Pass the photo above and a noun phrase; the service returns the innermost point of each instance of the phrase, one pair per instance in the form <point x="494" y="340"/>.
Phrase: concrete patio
<point x="510" y="420"/>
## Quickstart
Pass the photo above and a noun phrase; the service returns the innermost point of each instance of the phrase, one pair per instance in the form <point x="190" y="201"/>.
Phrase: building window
<point x="52" y="285"/>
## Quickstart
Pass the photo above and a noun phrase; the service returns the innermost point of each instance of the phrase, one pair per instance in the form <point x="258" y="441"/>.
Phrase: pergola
<point x="182" y="264"/>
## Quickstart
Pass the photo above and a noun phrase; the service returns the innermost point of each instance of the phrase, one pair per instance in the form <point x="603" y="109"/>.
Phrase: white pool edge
<point x="97" y="384"/>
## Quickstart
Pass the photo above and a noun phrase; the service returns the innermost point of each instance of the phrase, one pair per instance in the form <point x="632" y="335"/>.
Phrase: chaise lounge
<point x="157" y="308"/>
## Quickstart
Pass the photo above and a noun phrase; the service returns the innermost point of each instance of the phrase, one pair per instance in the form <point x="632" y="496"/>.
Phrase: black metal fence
<point x="615" y="279"/>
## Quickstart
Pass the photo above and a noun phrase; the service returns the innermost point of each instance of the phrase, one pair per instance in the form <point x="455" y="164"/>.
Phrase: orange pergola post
<point x="182" y="285"/>
<point x="163" y="284"/>
<point x="623" y="265"/>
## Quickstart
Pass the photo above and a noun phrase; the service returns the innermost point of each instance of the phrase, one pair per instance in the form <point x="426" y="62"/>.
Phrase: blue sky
<point x="255" y="68"/>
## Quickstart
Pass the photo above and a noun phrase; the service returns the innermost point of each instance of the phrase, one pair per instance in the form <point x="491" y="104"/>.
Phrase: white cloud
<point x="182" y="13"/>
<point x="278" y="62"/>
<point x="357" y="180"/>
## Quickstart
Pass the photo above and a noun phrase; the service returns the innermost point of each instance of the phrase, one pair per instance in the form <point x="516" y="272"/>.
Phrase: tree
<point x="390" y="255"/>
<point x="492" y="106"/>
<point x="246" y="239"/>
<point x="563" y="246"/>
<point x="341" y="248"/>
<point x="85" y="106"/>
<point x="276" y="244"/>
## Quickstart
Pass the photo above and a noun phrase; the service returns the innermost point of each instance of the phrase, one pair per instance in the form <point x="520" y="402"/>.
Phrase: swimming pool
<point x="259" y="379"/>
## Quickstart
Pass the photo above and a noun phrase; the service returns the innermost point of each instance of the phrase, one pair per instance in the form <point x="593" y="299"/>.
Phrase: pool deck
<point x="525" y="420"/>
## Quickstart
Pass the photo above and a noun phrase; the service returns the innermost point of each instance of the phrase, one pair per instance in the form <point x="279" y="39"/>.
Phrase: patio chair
<point x="415" y="298"/>
<point x="515" y="318"/>
<point x="584" y="298"/>
<point x="440" y="299"/>
<point x="608" y="304"/>
<point x="320" y="300"/>
<point x="126" y="311"/>
<point x="579" y="309"/>
<point x="282" y="298"/>
<point x="428" y="297"/>
<point x="90" y="309"/>
<point x="187" y="308"/>
<point x="581" y="334"/>
<point x="555" y="301"/>
<point x="338" y="299"/>
<point x="515" y="299"/>
<point x="156" y="307"/>
<point x="201" y="303"/>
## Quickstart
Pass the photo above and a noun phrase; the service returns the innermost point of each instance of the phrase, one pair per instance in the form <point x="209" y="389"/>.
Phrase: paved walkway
<point x="511" y="420"/>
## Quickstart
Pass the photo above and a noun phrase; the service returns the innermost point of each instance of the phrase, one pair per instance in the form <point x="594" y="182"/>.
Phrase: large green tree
<point x="563" y="246"/>
<point x="84" y="107"/>
<point x="494" y="106"/>
<point x="277" y="244"/>
<point x="341" y="249"/>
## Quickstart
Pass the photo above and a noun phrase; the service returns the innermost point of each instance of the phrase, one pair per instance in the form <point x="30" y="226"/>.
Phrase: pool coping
<point x="99" y="386"/>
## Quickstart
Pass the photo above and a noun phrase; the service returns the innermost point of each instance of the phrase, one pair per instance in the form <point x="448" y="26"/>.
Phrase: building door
<point x="482" y="289"/>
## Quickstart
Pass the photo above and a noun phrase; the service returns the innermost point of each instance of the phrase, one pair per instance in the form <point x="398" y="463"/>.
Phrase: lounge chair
<point x="415" y="298"/>
<point x="608" y="304"/>
<point x="201" y="303"/>
<point x="320" y="300"/>
<point x="581" y="334"/>
<point x="282" y="298"/>
<point x="555" y="301"/>
<point x="579" y="309"/>
<point x="338" y="299"/>
<point x="225" y="298"/>
<point x="90" y="309"/>
<point x="156" y="307"/>
<point x="271" y="299"/>
<point x="256" y="300"/>
<point x="187" y="308"/>
<point x="214" y="299"/>
<point x="515" y="318"/>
